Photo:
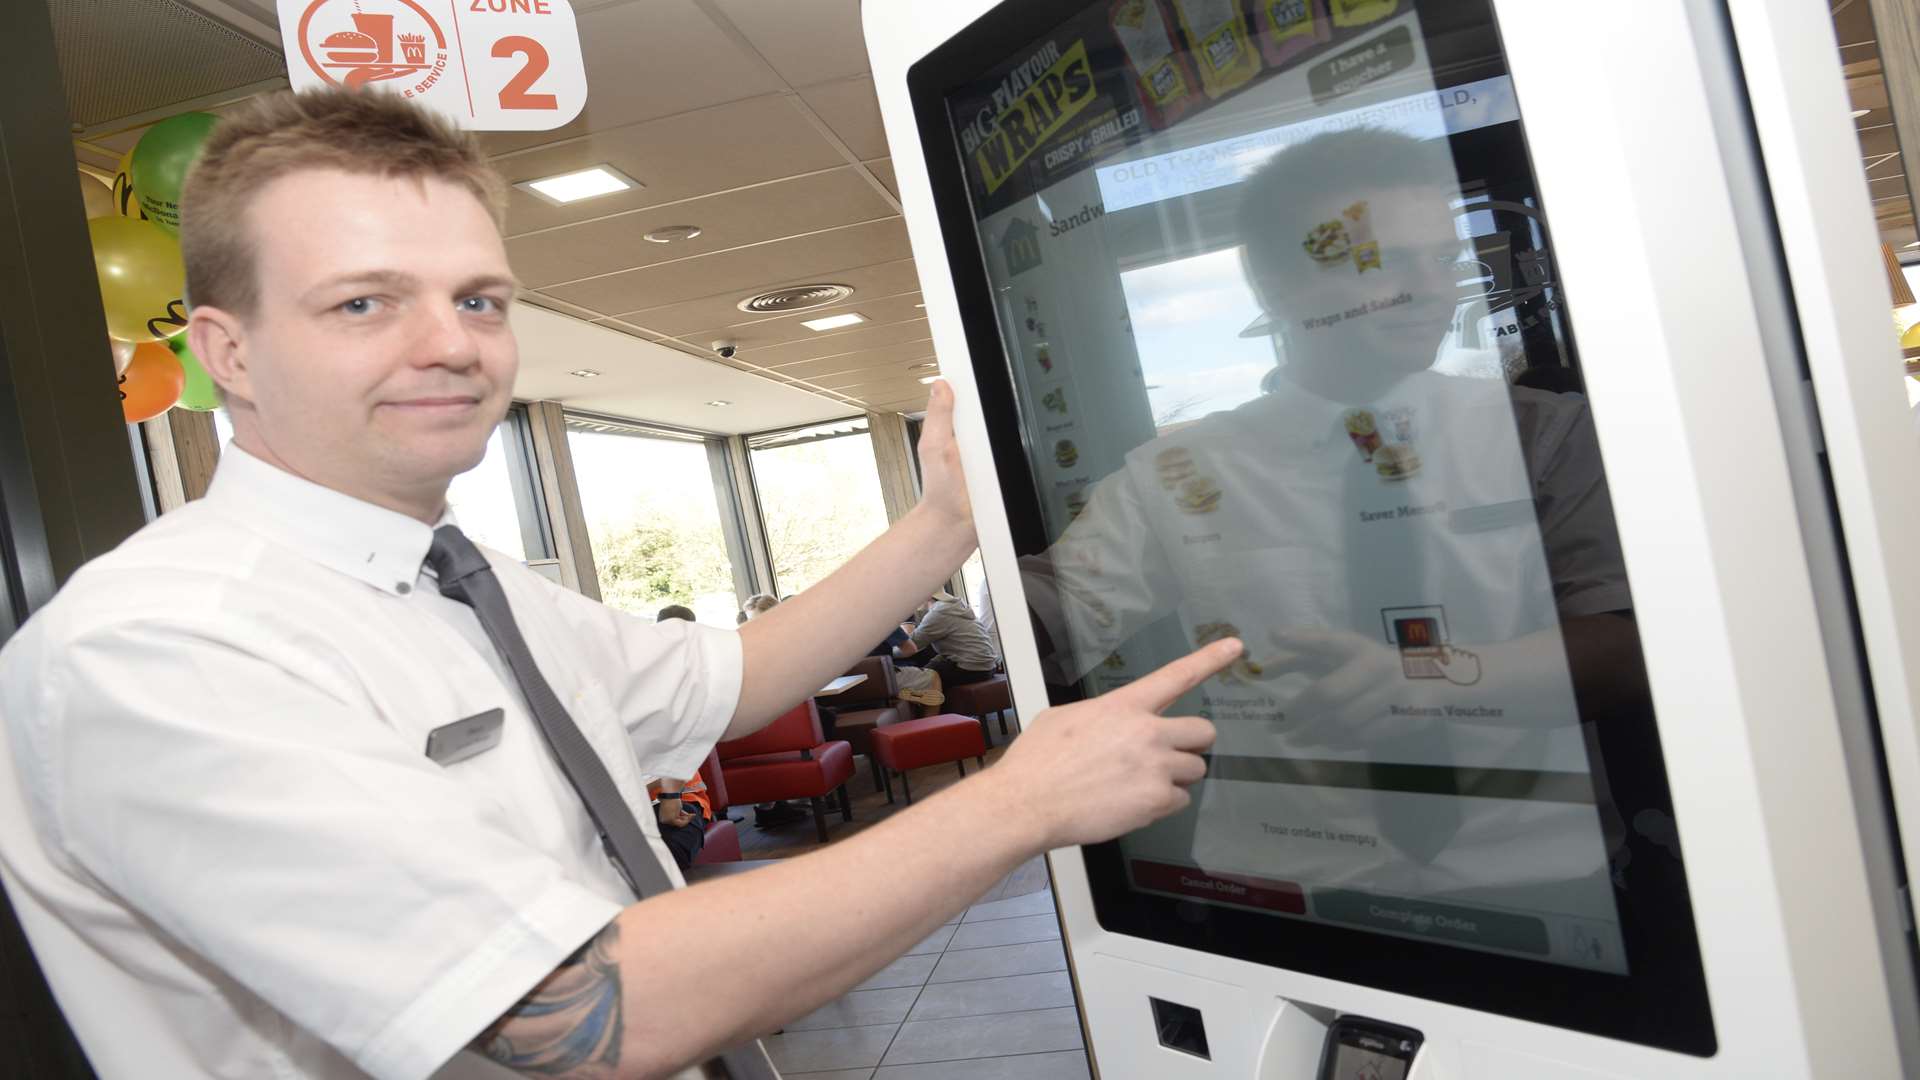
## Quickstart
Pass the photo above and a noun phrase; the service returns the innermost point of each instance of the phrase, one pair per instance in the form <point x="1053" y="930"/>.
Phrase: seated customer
<point x="684" y="810"/>
<point x="964" y="652"/>
<point x="674" y="611"/>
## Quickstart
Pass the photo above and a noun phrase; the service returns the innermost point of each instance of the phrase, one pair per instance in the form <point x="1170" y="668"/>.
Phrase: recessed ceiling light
<point x="926" y="379"/>
<point x="673" y="233"/>
<point x="925" y="365"/>
<point x="919" y="305"/>
<point x="835" y="322"/>
<point x="582" y="184"/>
<point x="1915" y="244"/>
<point x="583" y="373"/>
<point x="718" y="404"/>
<point x="1858" y="113"/>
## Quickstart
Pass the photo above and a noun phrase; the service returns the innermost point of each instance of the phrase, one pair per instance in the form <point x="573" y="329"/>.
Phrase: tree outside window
<point x="653" y="520"/>
<point x="819" y="499"/>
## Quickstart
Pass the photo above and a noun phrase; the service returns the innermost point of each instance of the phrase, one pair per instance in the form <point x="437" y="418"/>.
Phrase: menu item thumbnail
<point x="1288" y="28"/>
<point x="1198" y="496"/>
<point x="1166" y="80"/>
<point x="1245" y="669"/>
<point x="1065" y="454"/>
<point x="1221" y="47"/>
<point x="1175" y="467"/>
<point x="1396" y="463"/>
<point x="1055" y="401"/>
<point x="1044" y="355"/>
<point x="1076" y="505"/>
<point x="1364" y="431"/>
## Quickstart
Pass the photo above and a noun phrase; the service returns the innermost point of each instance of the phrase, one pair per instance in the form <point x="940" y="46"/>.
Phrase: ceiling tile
<point x="743" y="272"/>
<point x="885" y="279"/>
<point x="897" y="358"/>
<point x="806" y="43"/>
<point x="735" y="219"/>
<point x="853" y="112"/>
<point x="759" y="332"/>
<point x="647" y="59"/>
<point x="841" y="342"/>
<point x="882" y="169"/>
<point x="678" y="157"/>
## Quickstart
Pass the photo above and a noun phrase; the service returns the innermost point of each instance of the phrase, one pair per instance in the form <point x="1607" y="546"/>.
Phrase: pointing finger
<point x="1162" y="688"/>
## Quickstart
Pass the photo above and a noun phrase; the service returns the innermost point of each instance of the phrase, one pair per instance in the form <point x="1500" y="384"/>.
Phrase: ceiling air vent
<point x="795" y="298"/>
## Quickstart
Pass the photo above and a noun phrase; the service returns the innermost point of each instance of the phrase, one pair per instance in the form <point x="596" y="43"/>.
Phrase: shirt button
<point x="402" y="588"/>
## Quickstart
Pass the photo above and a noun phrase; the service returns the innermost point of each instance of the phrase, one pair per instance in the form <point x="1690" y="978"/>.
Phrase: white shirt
<point x="218" y="823"/>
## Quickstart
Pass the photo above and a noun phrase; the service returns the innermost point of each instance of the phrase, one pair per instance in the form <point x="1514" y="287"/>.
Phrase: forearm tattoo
<point x="570" y="1025"/>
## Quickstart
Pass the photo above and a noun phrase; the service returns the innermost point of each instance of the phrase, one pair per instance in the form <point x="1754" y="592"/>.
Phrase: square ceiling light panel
<point x="574" y="186"/>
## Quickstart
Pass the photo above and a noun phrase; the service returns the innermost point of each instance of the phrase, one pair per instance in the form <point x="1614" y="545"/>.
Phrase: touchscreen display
<point x="1291" y="364"/>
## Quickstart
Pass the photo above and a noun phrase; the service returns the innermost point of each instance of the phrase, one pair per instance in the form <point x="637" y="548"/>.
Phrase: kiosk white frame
<point x="1711" y="218"/>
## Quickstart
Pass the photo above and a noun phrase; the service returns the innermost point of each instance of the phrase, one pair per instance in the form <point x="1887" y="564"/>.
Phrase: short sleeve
<point x="273" y="826"/>
<point x="675" y="684"/>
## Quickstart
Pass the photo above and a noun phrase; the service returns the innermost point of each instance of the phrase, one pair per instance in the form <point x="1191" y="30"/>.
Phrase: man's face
<point x="378" y="358"/>
<point x="1362" y="276"/>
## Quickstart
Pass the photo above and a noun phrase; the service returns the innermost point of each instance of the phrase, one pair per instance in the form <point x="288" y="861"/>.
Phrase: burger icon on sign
<point x="350" y="47"/>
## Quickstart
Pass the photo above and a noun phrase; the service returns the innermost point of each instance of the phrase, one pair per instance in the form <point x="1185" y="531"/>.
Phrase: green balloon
<point x="199" y="394"/>
<point x="160" y="163"/>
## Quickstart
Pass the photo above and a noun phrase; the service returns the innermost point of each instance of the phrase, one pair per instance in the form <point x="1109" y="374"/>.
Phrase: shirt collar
<point x="375" y="545"/>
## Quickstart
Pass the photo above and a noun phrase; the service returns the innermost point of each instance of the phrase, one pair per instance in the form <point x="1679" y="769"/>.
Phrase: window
<point x="652" y="518"/>
<point x="496" y="501"/>
<point x="819" y="498"/>
<point x="222" y="427"/>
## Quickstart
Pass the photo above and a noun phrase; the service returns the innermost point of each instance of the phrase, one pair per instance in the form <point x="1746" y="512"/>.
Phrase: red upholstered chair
<point x="977" y="699"/>
<point x="870" y="705"/>
<point x="789" y="759"/>
<point x="723" y="836"/>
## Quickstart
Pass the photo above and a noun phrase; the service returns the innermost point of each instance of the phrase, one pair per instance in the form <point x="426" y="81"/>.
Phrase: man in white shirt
<point x="230" y="819"/>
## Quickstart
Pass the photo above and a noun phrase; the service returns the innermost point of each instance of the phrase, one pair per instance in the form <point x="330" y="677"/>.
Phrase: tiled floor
<point x="986" y="997"/>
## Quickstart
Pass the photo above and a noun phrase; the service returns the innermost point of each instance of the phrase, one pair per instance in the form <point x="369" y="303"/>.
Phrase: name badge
<point x="462" y="739"/>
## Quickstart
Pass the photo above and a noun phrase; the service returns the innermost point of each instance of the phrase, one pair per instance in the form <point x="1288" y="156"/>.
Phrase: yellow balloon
<point x="141" y="278"/>
<point x="1911" y="339"/>
<point x="96" y="195"/>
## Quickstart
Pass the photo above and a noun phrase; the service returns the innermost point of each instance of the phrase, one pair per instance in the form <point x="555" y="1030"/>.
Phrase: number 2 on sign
<point x="514" y="95"/>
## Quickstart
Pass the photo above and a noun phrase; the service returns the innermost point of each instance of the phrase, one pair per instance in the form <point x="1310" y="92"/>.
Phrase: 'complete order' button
<point x="1226" y="888"/>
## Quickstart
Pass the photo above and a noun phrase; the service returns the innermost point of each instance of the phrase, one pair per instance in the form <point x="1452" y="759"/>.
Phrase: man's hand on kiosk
<point x="942" y="481"/>
<point x="1098" y="768"/>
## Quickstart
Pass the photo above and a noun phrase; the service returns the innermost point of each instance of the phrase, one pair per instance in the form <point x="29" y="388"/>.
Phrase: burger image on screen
<point x="1175" y="467"/>
<point x="1245" y="669"/>
<point x="1065" y="454"/>
<point x="1198" y="496"/>
<point x="1076" y="504"/>
<point x="1396" y="462"/>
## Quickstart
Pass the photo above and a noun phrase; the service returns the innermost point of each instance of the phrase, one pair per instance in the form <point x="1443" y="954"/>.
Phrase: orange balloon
<point x="152" y="382"/>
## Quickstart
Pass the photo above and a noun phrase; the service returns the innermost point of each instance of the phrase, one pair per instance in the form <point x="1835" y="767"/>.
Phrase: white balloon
<point x="122" y="354"/>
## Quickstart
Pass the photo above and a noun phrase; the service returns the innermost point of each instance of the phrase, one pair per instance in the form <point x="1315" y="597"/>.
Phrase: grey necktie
<point x="465" y="576"/>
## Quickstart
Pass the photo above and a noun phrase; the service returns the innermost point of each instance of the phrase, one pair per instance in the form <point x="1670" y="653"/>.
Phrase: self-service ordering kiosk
<point x="1514" y="379"/>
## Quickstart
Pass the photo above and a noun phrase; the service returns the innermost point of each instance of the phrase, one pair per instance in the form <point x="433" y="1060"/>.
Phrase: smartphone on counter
<point x="1362" y="1049"/>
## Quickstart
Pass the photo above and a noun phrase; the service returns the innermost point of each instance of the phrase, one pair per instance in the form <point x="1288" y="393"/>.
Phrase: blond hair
<point x="369" y="133"/>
